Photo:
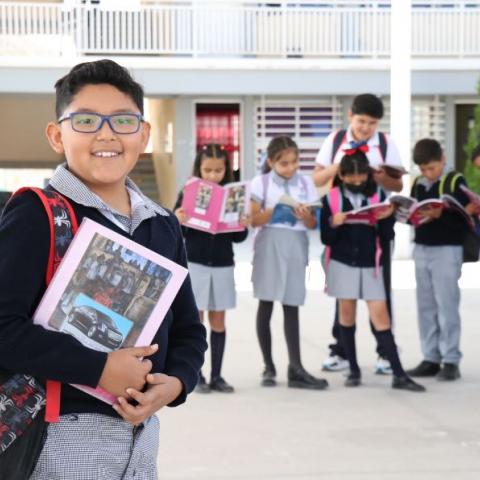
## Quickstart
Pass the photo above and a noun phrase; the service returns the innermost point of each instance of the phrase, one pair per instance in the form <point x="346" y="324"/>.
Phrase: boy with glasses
<point x="101" y="131"/>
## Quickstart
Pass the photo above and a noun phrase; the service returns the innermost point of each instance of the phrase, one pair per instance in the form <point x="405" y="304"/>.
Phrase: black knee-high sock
<point x="348" y="340"/>
<point x="291" y="328"/>
<point x="217" y="347"/>
<point x="264" y="314"/>
<point x="387" y="342"/>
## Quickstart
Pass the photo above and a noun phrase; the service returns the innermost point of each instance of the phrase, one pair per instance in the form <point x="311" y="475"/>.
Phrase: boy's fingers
<point x="137" y="396"/>
<point x="147" y="364"/>
<point x="156" y="378"/>
<point x="144" y="351"/>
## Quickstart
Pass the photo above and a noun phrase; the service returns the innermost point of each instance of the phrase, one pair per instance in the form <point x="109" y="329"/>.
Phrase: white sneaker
<point x="383" y="367"/>
<point x="335" y="363"/>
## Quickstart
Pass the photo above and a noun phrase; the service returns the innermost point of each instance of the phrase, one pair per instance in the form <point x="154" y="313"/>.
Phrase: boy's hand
<point x="384" y="213"/>
<point x="162" y="389"/>
<point x="379" y="175"/>
<point x="338" y="219"/>
<point x="472" y="208"/>
<point x="181" y="215"/>
<point x="126" y="368"/>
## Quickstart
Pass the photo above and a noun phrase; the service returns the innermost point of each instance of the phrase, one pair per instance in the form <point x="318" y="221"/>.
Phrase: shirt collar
<point x="429" y="184"/>
<point x="66" y="183"/>
<point x="283" y="182"/>
<point x="373" y="141"/>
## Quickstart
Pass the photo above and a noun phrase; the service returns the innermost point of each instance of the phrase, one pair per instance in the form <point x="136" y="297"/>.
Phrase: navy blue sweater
<point x="31" y="349"/>
<point x="450" y="228"/>
<point x="209" y="249"/>
<point x="353" y="244"/>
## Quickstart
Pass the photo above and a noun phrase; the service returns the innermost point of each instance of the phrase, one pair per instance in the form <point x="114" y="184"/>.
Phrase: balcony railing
<point x="238" y="29"/>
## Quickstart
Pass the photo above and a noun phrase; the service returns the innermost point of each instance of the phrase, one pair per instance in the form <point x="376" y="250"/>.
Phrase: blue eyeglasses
<point x="121" y="123"/>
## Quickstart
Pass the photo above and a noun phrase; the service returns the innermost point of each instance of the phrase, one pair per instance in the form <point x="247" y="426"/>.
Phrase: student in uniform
<point x="101" y="131"/>
<point x="364" y="117"/>
<point x="438" y="256"/>
<point x="281" y="256"/>
<point x="353" y="271"/>
<point x="211" y="266"/>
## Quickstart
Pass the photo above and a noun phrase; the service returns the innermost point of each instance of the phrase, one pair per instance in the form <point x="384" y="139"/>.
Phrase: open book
<point x="394" y="171"/>
<point x="215" y="208"/>
<point x="366" y="215"/>
<point x="284" y="210"/>
<point x="472" y="196"/>
<point x="410" y="210"/>
<point x="109" y="293"/>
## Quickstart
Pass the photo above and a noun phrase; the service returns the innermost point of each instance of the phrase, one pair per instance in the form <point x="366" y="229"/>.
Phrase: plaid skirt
<point x="91" y="446"/>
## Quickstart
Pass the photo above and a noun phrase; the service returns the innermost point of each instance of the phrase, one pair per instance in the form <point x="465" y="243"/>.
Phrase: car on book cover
<point x="96" y="325"/>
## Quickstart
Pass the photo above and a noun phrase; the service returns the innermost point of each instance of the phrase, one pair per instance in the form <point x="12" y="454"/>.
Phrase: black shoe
<point x="424" y="369"/>
<point x="448" y="373"/>
<point x="353" y="379"/>
<point x="202" y="385"/>
<point x="220" y="385"/>
<point x="406" y="383"/>
<point x="268" y="377"/>
<point x="300" y="378"/>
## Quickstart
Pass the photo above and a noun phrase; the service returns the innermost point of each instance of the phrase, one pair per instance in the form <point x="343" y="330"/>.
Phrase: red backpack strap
<point x="63" y="226"/>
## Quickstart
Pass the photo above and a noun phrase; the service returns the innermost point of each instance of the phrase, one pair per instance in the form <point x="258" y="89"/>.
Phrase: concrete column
<point x="400" y="99"/>
<point x="162" y="119"/>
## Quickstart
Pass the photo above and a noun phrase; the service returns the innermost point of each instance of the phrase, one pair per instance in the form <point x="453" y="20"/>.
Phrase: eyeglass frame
<point x="103" y="119"/>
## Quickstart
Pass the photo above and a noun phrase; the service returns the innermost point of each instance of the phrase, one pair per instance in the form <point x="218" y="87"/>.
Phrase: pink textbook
<point x="109" y="293"/>
<point x="215" y="208"/>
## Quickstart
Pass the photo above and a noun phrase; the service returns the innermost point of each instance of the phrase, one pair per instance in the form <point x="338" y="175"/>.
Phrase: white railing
<point x="236" y="28"/>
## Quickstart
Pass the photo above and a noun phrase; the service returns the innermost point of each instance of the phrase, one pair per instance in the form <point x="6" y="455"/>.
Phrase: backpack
<point x="471" y="241"/>
<point x="335" y="201"/>
<point x="22" y="395"/>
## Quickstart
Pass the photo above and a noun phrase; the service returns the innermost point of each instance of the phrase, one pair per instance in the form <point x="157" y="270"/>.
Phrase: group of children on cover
<point x="357" y="257"/>
<point x="101" y="131"/>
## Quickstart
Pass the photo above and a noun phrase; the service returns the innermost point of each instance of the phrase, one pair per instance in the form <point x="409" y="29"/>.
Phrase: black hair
<point x="276" y="147"/>
<point x="95" y="73"/>
<point x="475" y="153"/>
<point x="427" y="150"/>
<point x="357" y="163"/>
<point x="213" y="150"/>
<point x="367" y="104"/>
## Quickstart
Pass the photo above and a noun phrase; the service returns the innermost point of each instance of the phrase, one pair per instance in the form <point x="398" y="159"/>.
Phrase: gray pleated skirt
<point x="213" y="287"/>
<point x="279" y="262"/>
<point x="346" y="282"/>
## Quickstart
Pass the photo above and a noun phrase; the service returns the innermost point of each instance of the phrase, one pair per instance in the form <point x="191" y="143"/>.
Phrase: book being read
<point x="394" y="171"/>
<point x="215" y="208"/>
<point x="367" y="215"/>
<point x="109" y="293"/>
<point x="410" y="210"/>
<point x="284" y="210"/>
<point x="472" y="196"/>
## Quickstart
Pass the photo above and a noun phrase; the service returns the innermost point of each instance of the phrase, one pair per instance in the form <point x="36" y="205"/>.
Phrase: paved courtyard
<point x="372" y="432"/>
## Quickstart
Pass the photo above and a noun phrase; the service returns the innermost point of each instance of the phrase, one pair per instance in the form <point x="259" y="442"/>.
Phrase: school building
<point x="233" y="72"/>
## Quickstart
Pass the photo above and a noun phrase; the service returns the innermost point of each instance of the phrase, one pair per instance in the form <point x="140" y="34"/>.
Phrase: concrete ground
<point x="372" y="432"/>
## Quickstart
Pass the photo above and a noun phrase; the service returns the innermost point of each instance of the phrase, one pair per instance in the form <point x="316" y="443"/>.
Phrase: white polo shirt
<point x="299" y="187"/>
<point x="324" y="156"/>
